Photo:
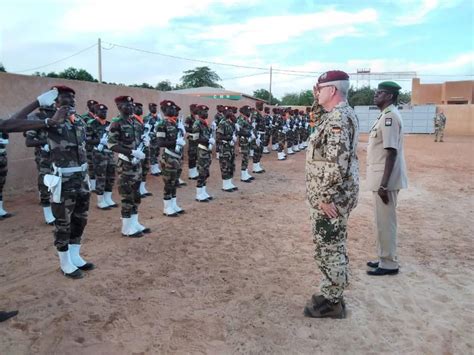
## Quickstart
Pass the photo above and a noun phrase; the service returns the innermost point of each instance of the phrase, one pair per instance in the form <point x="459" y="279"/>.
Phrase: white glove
<point x="181" y="126"/>
<point x="294" y="128"/>
<point x="285" y="129"/>
<point x="180" y="141"/>
<point x="45" y="148"/>
<point x="4" y="141"/>
<point x="213" y="125"/>
<point x="212" y="141"/>
<point x="237" y="127"/>
<point x="209" y="147"/>
<point x="254" y="125"/>
<point x="258" y="142"/>
<point x="252" y="137"/>
<point x="47" y="98"/>
<point x="103" y="141"/>
<point x="146" y="140"/>
<point x="138" y="154"/>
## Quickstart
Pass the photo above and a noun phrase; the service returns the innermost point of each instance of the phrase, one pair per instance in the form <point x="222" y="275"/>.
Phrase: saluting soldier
<point x="102" y="157"/>
<point x="125" y="138"/>
<point x="332" y="185"/>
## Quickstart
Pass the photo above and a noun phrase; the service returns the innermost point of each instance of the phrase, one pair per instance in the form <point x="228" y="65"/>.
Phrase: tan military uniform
<point x="387" y="132"/>
<point x="332" y="175"/>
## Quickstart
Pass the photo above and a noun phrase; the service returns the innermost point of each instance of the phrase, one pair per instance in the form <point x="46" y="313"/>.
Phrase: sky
<point x="298" y="39"/>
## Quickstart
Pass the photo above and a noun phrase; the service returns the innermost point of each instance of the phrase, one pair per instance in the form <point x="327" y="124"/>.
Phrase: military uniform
<point x="226" y="139"/>
<point x="152" y="120"/>
<point x="4" y="139"/>
<point x="218" y="117"/>
<point x="192" y="146"/>
<point x="90" y="159"/>
<point x="332" y="175"/>
<point x="439" y="123"/>
<point x="387" y="132"/>
<point x="257" y="144"/>
<point x="246" y="136"/>
<point x="268" y="120"/>
<point x="281" y="129"/>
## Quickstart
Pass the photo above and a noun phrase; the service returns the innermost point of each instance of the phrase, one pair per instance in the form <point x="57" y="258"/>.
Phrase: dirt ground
<point x="233" y="275"/>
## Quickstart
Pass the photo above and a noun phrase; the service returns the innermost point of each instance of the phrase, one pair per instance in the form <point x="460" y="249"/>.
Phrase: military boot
<point x="324" y="308"/>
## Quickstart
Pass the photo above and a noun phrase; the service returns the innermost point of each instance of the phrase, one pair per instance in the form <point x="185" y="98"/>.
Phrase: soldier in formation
<point x="151" y="119"/>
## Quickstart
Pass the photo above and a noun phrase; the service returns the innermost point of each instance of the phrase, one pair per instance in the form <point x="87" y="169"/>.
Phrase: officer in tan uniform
<point x="386" y="175"/>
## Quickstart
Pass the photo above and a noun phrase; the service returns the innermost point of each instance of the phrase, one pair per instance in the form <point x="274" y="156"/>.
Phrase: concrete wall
<point x="422" y="94"/>
<point x="18" y="90"/>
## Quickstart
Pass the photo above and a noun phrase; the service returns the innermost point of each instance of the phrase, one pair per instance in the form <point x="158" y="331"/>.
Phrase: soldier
<point x="226" y="139"/>
<point x="3" y="171"/>
<point x="275" y="133"/>
<point x="386" y="175"/>
<point x="138" y="113"/>
<point x="206" y="141"/>
<point x="332" y="185"/>
<point x="102" y="157"/>
<point x="268" y="119"/>
<point x="246" y="136"/>
<point x="282" y="129"/>
<point x="439" y="123"/>
<point x="218" y="117"/>
<point x="39" y="140"/>
<point x="69" y="184"/>
<point x="125" y="138"/>
<point x="90" y="114"/>
<point x="171" y="137"/>
<point x="192" y="143"/>
<point x="151" y="119"/>
<point x="257" y="144"/>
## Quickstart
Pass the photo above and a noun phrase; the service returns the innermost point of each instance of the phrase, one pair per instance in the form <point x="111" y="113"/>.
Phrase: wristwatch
<point x="384" y="188"/>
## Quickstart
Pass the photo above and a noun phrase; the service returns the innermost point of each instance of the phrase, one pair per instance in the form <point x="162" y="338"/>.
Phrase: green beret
<point x="389" y="86"/>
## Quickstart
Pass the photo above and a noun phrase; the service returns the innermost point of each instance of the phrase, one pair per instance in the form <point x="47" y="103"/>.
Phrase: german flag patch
<point x="388" y="121"/>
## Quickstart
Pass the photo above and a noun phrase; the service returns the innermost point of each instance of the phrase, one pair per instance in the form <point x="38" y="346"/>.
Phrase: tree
<point x="2" y="68"/>
<point x="164" y="85"/>
<point x="200" y="76"/>
<point x="291" y="99"/>
<point x="76" y="74"/>
<point x="404" y="97"/>
<point x="361" y="97"/>
<point x="264" y="94"/>
<point x="304" y="98"/>
<point x="143" y="85"/>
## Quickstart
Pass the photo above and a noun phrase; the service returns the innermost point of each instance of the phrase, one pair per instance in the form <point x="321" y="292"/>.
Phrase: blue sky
<point x="432" y="38"/>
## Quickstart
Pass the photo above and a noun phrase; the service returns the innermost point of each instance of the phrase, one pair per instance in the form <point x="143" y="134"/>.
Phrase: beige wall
<point x="459" y="119"/>
<point x="18" y="90"/>
<point x="423" y="94"/>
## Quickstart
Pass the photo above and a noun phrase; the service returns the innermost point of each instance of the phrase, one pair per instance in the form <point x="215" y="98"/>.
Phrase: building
<point x="447" y="93"/>
<point x="214" y="93"/>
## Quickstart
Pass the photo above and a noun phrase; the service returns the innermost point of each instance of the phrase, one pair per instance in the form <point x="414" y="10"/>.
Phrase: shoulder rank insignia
<point x="388" y="121"/>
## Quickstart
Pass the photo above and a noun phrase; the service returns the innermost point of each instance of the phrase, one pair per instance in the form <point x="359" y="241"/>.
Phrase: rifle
<point x="100" y="147"/>
<point x="145" y="142"/>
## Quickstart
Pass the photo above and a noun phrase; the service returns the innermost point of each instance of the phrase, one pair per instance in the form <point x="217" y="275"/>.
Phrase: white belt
<point x="173" y="154"/>
<point x="123" y="157"/>
<point x="261" y="132"/>
<point x="71" y="169"/>
<point x="104" y="150"/>
<point x="202" y="146"/>
<point x="3" y="150"/>
<point x="193" y="136"/>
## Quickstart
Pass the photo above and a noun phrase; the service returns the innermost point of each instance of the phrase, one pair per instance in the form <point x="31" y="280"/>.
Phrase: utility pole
<point x="99" y="48"/>
<point x="270" y="100"/>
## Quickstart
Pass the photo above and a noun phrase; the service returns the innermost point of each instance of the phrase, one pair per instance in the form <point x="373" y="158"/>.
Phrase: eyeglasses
<point x="319" y="87"/>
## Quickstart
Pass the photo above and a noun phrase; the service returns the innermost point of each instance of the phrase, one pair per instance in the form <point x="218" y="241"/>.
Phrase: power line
<point x="244" y="76"/>
<point x="57" y="61"/>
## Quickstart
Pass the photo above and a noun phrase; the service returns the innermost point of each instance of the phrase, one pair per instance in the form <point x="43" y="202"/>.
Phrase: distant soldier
<point x="90" y="114"/>
<point x="152" y="119"/>
<point x="226" y="139"/>
<point x="258" y="124"/>
<point x="246" y="136"/>
<point x="268" y="119"/>
<point x="275" y="133"/>
<point x="103" y="158"/>
<point x="206" y="141"/>
<point x="171" y="138"/>
<point x="138" y="114"/>
<point x="125" y="138"/>
<point x="218" y="117"/>
<point x="332" y="185"/>
<point x="192" y="143"/>
<point x="439" y="123"/>
<point x="39" y="140"/>
<point x="281" y="129"/>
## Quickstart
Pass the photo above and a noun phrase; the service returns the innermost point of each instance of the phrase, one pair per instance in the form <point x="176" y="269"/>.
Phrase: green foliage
<point x="264" y="94"/>
<point x="361" y="97"/>
<point x="200" y="76"/>
<point x="2" y="68"/>
<point x="69" y="73"/>
<point x="143" y="85"/>
<point x="164" y="85"/>
<point x="304" y="98"/>
<point x="404" y="97"/>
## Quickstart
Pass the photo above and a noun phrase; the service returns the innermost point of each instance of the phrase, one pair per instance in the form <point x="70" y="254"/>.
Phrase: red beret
<point x="202" y="108"/>
<point x="152" y="104"/>
<point x="92" y="102"/>
<point x="138" y="104"/>
<point x="98" y="106"/>
<point x="122" y="99"/>
<point x="166" y="103"/>
<point x="192" y="106"/>
<point x="332" y="75"/>
<point x="63" y="89"/>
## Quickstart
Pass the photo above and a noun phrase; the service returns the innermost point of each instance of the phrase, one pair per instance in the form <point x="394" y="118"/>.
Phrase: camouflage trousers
<point x="71" y="213"/>
<point x="90" y="163"/>
<point x="281" y="141"/>
<point x="192" y="154"/>
<point x="257" y="152"/>
<point x="439" y="133"/>
<point x="244" y="152"/>
<point x="203" y="164"/>
<point x="266" y="137"/>
<point x="145" y="164"/>
<point x="3" y="173"/>
<point x="154" y="153"/>
<point x="275" y="134"/>
<point x="43" y="165"/>
<point x="170" y="170"/>
<point x="128" y="187"/>
<point x="330" y="253"/>
<point x="104" y="167"/>
<point x="290" y="138"/>
<point x="227" y="161"/>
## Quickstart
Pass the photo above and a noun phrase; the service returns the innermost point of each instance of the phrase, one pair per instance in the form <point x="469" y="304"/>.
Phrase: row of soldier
<point x="81" y="145"/>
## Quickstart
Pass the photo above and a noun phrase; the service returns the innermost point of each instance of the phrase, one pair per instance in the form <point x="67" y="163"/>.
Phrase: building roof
<point x="215" y="93"/>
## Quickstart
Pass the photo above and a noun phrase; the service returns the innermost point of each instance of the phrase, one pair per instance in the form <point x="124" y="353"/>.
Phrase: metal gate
<point x="416" y="119"/>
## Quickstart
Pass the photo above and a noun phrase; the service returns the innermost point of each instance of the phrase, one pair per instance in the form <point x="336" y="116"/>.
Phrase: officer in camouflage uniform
<point x="171" y="137"/>
<point x="206" y="141"/>
<point x="151" y="119"/>
<point x="67" y="144"/>
<point x="90" y="114"/>
<point x="125" y="138"/>
<point x="439" y="122"/>
<point x="138" y="114"/>
<point x="226" y="139"/>
<point x="260" y="131"/>
<point x="332" y="184"/>
<point x="218" y="117"/>
<point x="246" y="137"/>
<point x="103" y="158"/>
<point x="268" y="119"/>
<point x="192" y="143"/>
<point x="39" y="140"/>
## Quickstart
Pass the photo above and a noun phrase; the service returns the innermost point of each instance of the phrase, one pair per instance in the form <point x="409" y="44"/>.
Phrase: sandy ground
<point x="233" y="275"/>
